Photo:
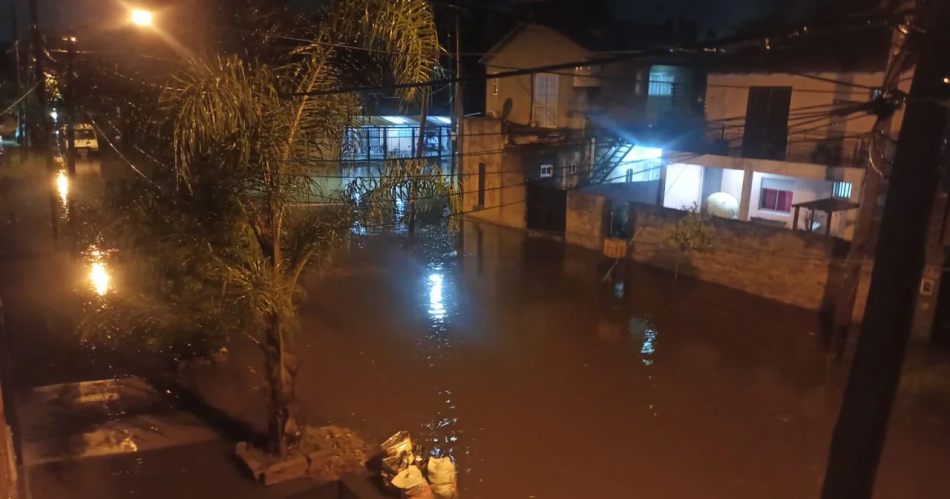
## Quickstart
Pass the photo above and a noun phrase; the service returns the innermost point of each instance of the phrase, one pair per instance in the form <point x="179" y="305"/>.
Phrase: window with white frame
<point x="841" y="190"/>
<point x="547" y="171"/>
<point x="661" y="84"/>
<point x="544" y="102"/>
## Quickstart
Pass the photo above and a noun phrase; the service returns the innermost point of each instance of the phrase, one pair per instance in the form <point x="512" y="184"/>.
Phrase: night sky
<point x="718" y="15"/>
<point x="710" y="14"/>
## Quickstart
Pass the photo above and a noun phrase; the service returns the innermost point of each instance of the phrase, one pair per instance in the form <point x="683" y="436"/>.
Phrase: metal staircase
<point x="611" y="157"/>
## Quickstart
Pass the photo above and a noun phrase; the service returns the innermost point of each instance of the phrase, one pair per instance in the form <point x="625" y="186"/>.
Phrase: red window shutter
<point x="771" y="197"/>
<point x="785" y="201"/>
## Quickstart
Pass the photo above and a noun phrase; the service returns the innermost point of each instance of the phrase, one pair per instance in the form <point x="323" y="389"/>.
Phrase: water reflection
<point x="642" y="330"/>
<point x="98" y="272"/>
<point x="436" y="307"/>
<point x="62" y="185"/>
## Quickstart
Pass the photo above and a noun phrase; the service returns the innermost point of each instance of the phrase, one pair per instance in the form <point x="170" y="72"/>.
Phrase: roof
<point x="598" y="37"/>
<point x="863" y="51"/>
<point x="828" y="205"/>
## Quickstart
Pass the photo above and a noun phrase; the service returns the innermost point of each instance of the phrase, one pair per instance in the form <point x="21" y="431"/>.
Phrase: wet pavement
<point x="507" y="353"/>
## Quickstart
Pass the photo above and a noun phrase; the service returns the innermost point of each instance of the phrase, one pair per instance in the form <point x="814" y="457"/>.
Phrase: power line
<point x="24" y="96"/>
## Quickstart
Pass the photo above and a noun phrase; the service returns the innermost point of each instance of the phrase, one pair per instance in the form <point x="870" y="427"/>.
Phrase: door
<point x="766" y="123"/>
<point x="546" y="207"/>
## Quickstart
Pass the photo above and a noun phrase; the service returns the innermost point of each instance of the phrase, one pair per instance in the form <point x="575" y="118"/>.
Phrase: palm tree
<point x="243" y="133"/>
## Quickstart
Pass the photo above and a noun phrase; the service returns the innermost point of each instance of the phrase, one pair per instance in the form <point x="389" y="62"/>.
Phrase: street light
<point x="141" y="17"/>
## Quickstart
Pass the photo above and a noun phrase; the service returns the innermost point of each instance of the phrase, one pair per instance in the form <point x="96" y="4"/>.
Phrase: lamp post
<point x="70" y="104"/>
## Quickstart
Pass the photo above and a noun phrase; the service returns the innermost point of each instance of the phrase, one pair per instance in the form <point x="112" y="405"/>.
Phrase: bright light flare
<point x="62" y="185"/>
<point x="100" y="278"/>
<point x="141" y="17"/>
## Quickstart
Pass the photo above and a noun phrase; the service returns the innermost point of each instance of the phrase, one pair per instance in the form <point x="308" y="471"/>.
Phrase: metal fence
<point x="818" y="147"/>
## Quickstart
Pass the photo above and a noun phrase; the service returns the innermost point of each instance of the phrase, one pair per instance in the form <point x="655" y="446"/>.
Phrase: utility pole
<point x="16" y="58"/>
<point x="875" y="176"/>
<point x="71" y="104"/>
<point x="459" y="109"/>
<point x="456" y="123"/>
<point x="861" y="429"/>
<point x="39" y="74"/>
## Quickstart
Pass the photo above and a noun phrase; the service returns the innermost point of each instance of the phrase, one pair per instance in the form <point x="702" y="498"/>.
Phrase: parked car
<point x="86" y="140"/>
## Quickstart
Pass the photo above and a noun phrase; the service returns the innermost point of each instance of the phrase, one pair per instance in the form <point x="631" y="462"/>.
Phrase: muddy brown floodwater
<point x="507" y="353"/>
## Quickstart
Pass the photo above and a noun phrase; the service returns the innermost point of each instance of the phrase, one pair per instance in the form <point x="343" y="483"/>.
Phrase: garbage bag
<point x="442" y="478"/>
<point x="418" y="492"/>
<point x="409" y="478"/>
<point x="397" y="444"/>
<point x="399" y="455"/>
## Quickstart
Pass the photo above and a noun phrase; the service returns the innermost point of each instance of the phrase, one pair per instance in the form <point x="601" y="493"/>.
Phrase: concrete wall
<point x="586" y="219"/>
<point x="615" y="102"/>
<point x="485" y="143"/>
<point x="684" y="183"/>
<point x="727" y="96"/>
<point x="532" y="46"/>
<point x="628" y="192"/>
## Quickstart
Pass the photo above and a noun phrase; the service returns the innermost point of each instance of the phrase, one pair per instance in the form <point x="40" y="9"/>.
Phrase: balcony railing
<point x="817" y="146"/>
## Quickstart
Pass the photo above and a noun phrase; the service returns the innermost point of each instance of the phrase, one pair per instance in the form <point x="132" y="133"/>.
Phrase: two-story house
<point x="787" y="135"/>
<point x="554" y="128"/>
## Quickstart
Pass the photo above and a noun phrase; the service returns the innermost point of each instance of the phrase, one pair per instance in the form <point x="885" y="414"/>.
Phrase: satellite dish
<point x="506" y="109"/>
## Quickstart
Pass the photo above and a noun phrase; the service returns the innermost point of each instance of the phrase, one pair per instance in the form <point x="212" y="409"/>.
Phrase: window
<point x="776" y="200"/>
<point x="547" y="171"/>
<point x="544" y="102"/>
<point x="841" y="190"/>
<point x="494" y="86"/>
<point x="661" y="84"/>
<point x="572" y="169"/>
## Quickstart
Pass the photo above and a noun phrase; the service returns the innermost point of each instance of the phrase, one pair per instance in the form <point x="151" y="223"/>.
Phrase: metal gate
<point x="546" y="207"/>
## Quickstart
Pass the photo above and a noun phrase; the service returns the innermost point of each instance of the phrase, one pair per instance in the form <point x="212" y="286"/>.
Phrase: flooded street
<point x="505" y="352"/>
<point x="540" y="382"/>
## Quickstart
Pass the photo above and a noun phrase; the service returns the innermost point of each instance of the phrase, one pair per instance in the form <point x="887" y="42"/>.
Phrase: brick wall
<point x="793" y="267"/>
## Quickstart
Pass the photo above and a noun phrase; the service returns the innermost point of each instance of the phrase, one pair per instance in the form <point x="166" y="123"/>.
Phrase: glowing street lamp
<point x="141" y="17"/>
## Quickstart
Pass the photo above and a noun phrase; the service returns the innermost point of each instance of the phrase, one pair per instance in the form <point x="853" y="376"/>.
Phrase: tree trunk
<point x="283" y="429"/>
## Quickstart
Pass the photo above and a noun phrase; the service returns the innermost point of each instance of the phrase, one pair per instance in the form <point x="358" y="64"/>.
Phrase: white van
<point x="85" y="139"/>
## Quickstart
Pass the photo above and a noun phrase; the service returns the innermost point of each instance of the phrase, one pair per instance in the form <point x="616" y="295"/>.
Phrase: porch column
<point x="745" y="201"/>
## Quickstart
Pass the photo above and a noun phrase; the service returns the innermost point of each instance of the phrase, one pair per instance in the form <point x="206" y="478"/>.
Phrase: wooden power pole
<point x="861" y="429"/>
<point x="41" y="129"/>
